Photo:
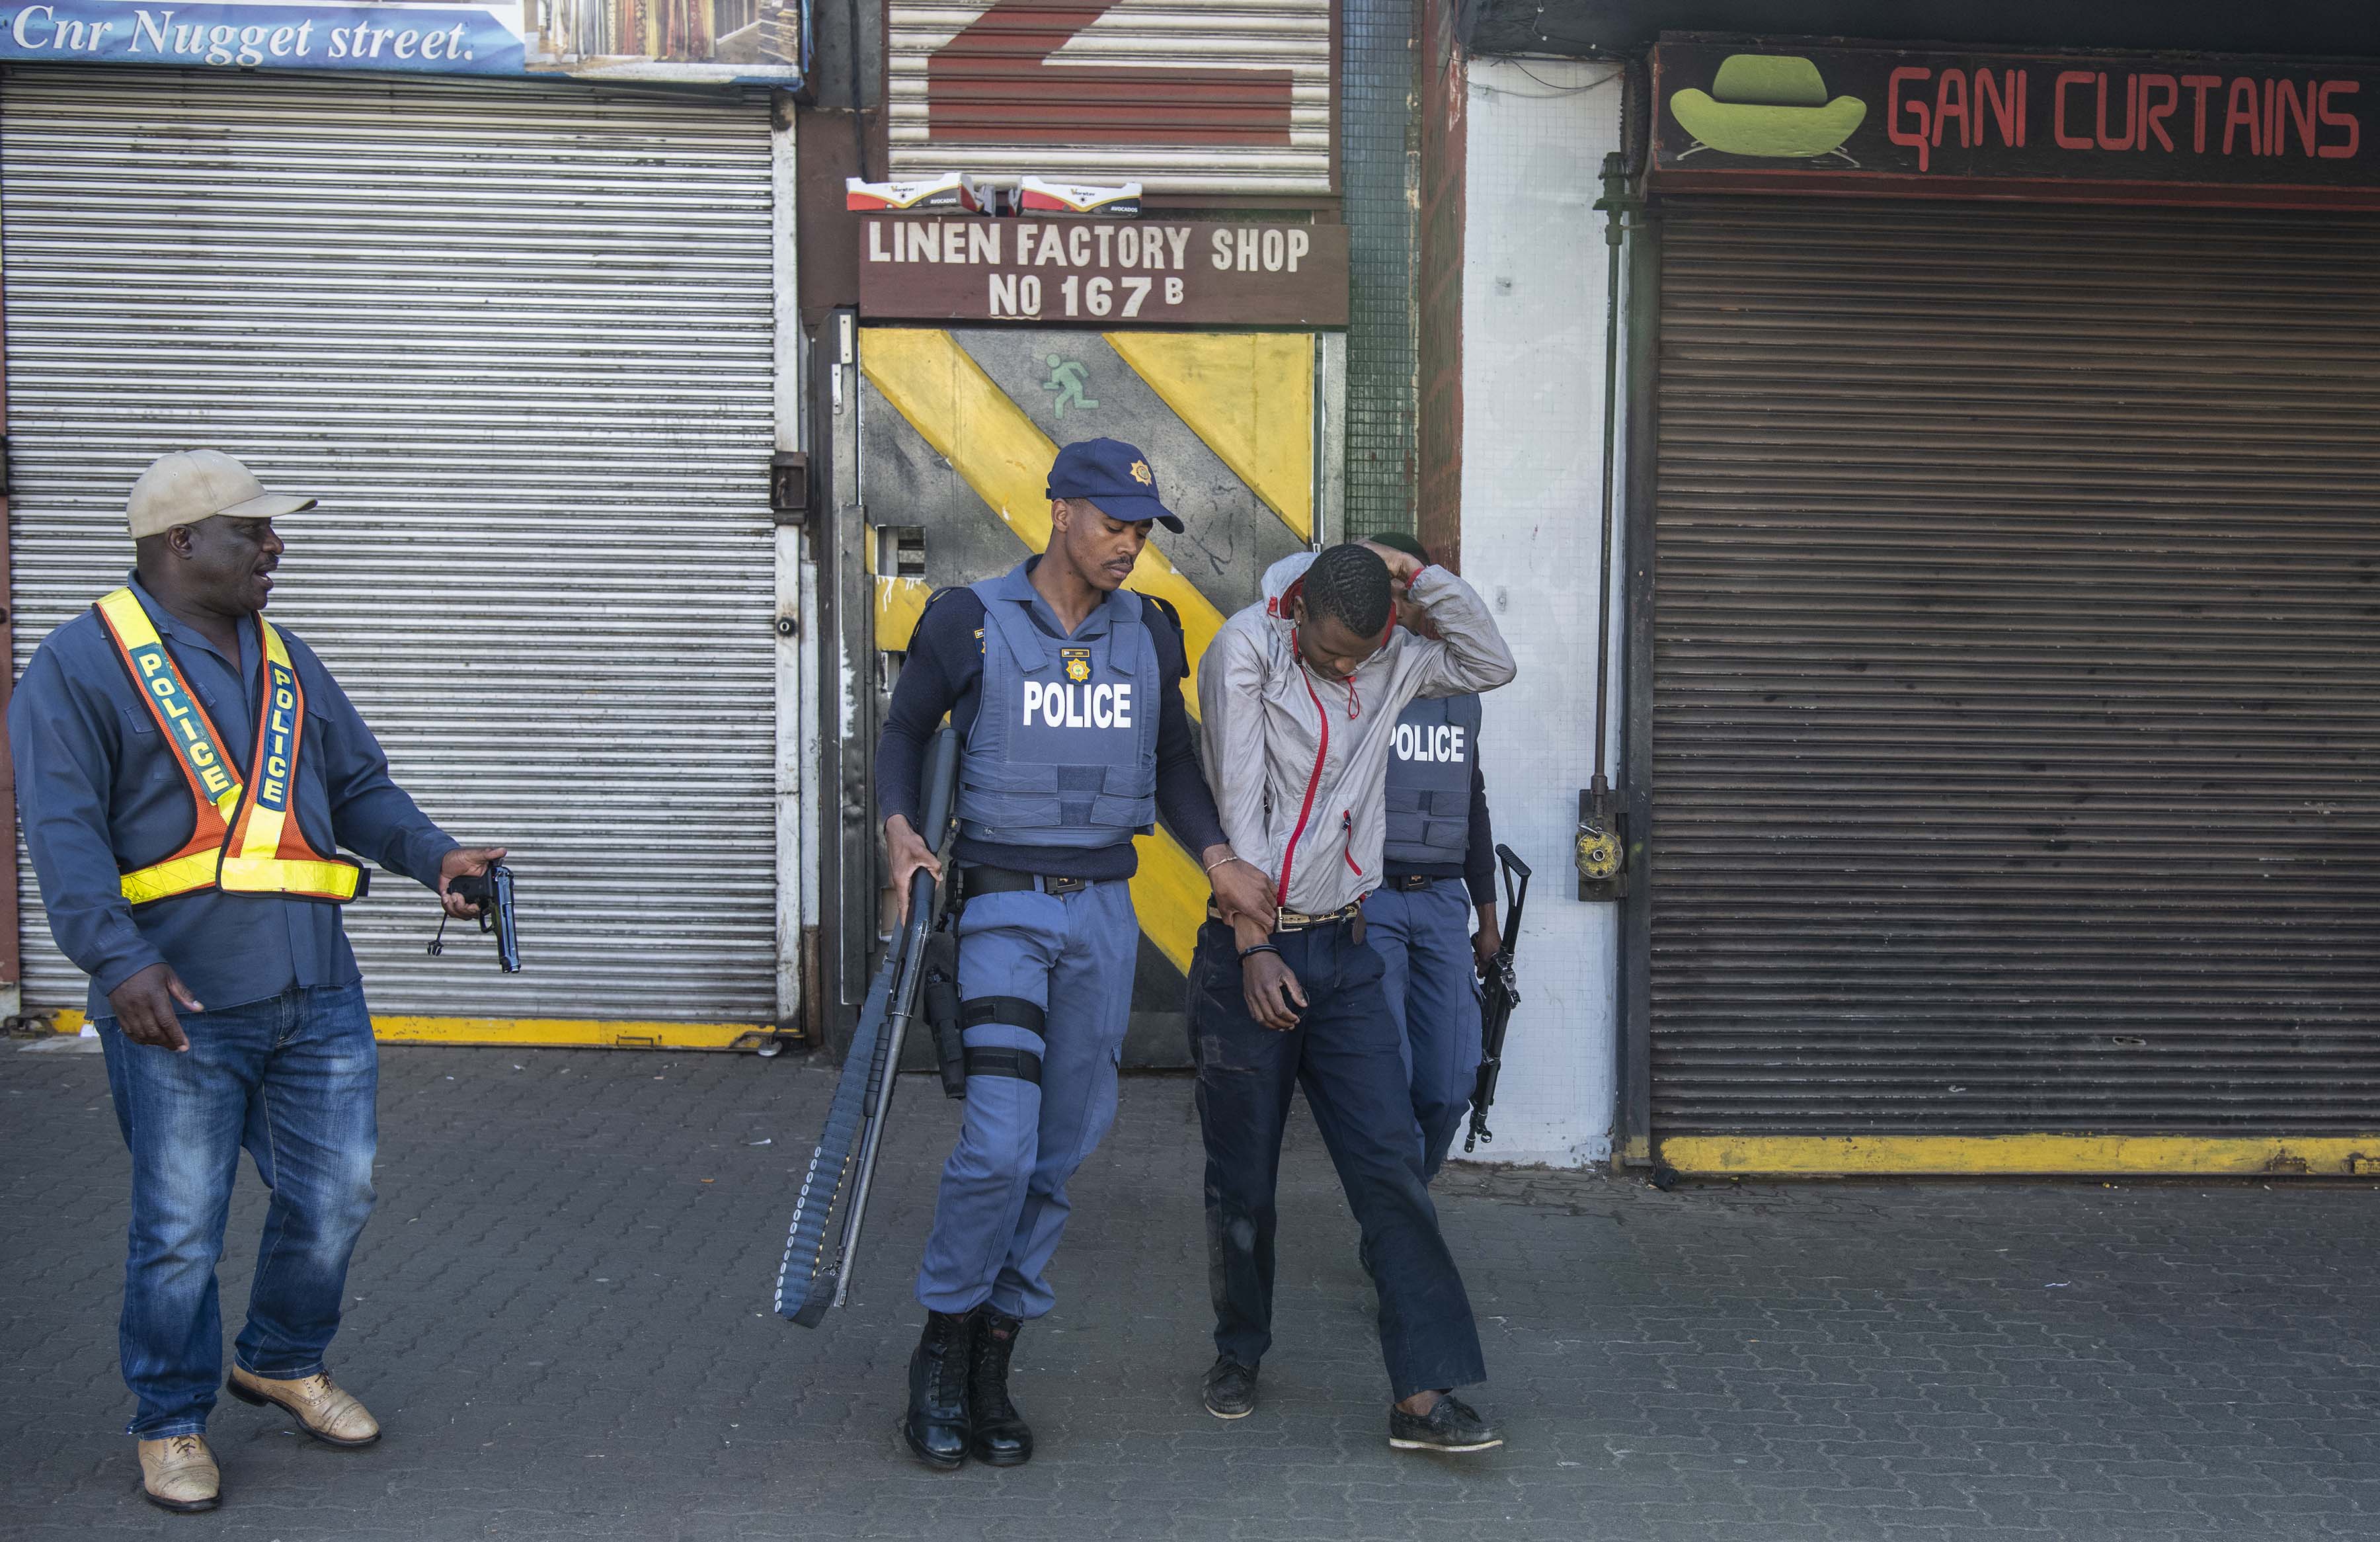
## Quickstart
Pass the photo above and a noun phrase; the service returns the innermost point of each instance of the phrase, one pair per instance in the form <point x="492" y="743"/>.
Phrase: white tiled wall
<point x="1533" y="386"/>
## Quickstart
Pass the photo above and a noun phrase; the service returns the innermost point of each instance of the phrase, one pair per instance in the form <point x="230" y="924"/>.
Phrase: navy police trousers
<point x="1003" y="1204"/>
<point x="1423" y="939"/>
<point x="1345" y="1052"/>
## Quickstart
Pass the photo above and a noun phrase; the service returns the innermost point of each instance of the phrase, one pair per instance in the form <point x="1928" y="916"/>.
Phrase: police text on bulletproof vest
<point x="1066" y="706"/>
<point x="1440" y="742"/>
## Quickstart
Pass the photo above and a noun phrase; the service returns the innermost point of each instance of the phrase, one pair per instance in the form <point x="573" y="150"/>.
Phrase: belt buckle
<point x="1299" y="921"/>
<point x="1064" y="885"/>
<point x="1412" y="881"/>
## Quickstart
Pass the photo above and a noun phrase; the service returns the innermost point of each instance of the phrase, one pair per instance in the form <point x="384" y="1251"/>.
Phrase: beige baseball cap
<point x="190" y="485"/>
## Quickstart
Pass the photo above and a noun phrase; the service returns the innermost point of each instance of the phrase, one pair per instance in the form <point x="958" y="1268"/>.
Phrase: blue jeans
<point x="1344" y="1052"/>
<point x="1002" y="1205"/>
<point x="1423" y="939"/>
<point x="292" y="1078"/>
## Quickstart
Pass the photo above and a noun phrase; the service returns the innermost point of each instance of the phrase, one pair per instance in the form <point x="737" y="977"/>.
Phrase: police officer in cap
<point x="1440" y="875"/>
<point x="1065" y="689"/>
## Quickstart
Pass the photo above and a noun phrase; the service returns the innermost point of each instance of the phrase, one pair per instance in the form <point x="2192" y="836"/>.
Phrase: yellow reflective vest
<point x="245" y="837"/>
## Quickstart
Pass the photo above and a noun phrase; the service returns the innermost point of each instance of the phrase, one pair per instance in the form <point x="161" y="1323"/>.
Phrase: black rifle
<point x="807" y="1281"/>
<point x="491" y="891"/>
<point x="1502" y="993"/>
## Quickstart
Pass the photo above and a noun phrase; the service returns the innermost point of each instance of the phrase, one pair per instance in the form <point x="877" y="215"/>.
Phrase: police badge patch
<point x="1078" y="664"/>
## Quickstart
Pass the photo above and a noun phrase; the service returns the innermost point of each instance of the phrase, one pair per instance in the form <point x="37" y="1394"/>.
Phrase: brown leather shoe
<point x="322" y="1408"/>
<point x="179" y="1474"/>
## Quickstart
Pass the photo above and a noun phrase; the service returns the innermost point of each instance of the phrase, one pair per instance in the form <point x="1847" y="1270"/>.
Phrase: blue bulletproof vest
<point x="1430" y="755"/>
<point x="1063" y="751"/>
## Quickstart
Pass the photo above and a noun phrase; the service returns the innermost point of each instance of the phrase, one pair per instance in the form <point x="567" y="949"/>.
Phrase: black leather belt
<point x="1007" y="881"/>
<point x="1409" y="882"/>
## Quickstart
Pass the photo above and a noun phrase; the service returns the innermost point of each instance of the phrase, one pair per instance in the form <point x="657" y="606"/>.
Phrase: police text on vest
<point x="1441" y="743"/>
<point x="1077" y="706"/>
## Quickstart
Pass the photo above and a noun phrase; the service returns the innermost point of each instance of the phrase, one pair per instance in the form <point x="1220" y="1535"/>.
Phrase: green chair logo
<point x="1772" y="106"/>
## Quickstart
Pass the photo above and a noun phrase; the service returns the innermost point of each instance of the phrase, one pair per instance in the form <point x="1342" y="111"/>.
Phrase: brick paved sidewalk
<point x="560" y="1314"/>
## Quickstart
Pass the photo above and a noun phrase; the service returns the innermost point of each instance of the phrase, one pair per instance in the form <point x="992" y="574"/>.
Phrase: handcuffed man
<point x="1299" y="698"/>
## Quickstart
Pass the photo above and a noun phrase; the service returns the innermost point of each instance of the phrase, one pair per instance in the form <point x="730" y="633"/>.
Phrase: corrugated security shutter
<point x="1179" y="95"/>
<point x="2017" y="673"/>
<point x="518" y="338"/>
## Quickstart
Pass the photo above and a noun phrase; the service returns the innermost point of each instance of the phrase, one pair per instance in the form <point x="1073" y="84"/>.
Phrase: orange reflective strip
<point x="268" y="851"/>
<point x="280" y="722"/>
<point x="196" y="745"/>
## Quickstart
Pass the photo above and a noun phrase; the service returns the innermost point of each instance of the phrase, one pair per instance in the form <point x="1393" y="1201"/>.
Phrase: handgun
<point x="491" y="892"/>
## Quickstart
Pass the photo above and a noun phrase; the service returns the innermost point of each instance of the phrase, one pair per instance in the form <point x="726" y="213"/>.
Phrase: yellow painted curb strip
<point x="2021" y="1155"/>
<point x="996" y="450"/>
<point x="562" y="1033"/>
<point x="552" y="1033"/>
<point x="1250" y="396"/>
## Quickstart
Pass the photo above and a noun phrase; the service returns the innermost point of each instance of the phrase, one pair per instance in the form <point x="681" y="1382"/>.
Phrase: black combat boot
<point x="1002" y="1437"/>
<point x="935" y="1428"/>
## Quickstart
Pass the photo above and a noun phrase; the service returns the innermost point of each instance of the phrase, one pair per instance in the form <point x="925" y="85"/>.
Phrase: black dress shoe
<point x="1001" y="1438"/>
<point x="936" y="1425"/>
<point x="1230" y="1388"/>
<point x="1451" y="1424"/>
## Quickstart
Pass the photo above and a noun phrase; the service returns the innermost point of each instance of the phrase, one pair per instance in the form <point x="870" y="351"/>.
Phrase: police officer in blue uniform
<point x="1440" y="875"/>
<point x="1066" y="691"/>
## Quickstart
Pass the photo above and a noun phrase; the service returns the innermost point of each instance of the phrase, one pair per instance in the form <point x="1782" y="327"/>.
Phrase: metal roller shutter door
<point x="1182" y="96"/>
<point x="2017" y="671"/>
<point x="518" y="338"/>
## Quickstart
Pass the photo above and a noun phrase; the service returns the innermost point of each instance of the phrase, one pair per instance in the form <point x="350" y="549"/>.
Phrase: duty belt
<point x="1007" y="881"/>
<point x="1408" y="881"/>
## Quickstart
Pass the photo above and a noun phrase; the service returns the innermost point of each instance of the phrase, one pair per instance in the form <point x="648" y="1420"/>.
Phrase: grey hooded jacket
<point x="1298" y="763"/>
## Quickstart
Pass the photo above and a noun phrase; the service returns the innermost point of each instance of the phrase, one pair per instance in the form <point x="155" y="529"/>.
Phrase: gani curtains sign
<point x="1771" y="115"/>
<point x="689" y="40"/>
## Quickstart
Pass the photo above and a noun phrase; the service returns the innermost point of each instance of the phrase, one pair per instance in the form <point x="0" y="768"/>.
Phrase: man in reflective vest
<point x="1066" y="691"/>
<point x="1438" y="873"/>
<point x="186" y="774"/>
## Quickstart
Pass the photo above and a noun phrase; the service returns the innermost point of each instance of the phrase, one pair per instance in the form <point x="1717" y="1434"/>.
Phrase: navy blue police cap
<point x="1113" y="476"/>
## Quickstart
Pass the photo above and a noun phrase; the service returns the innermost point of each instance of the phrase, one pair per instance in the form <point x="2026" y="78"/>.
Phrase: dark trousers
<point x="1346" y="1054"/>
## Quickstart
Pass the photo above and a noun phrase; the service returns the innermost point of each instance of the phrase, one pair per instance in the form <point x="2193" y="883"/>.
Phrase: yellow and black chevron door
<point x="957" y="430"/>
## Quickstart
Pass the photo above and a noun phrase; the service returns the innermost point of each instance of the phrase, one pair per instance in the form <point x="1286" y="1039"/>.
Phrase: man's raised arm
<point x="1472" y="655"/>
